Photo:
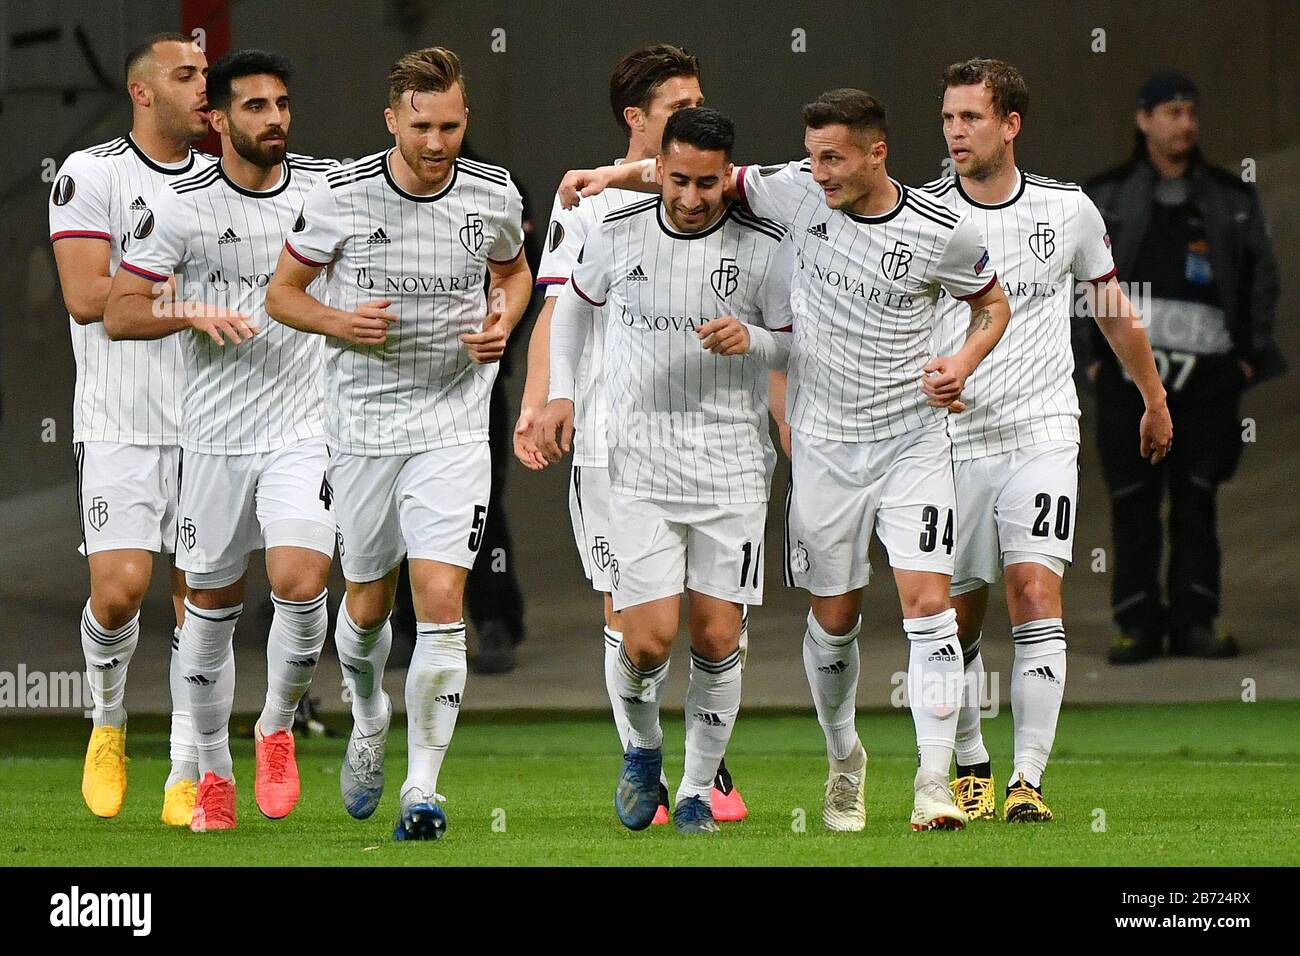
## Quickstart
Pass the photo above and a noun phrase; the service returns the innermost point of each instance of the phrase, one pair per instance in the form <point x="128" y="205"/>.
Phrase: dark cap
<point x="1165" y="86"/>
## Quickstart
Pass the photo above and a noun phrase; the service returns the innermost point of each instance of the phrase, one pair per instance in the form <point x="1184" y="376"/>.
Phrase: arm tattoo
<point x="980" y="321"/>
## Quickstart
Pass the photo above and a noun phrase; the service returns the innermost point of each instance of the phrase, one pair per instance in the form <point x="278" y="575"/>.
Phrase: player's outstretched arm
<point x="570" y="324"/>
<point x="946" y="376"/>
<point x="578" y="183"/>
<point x="83" y="277"/>
<point x="288" y="302"/>
<point x="537" y="384"/>
<point x="144" y="307"/>
<point x="1120" y="322"/>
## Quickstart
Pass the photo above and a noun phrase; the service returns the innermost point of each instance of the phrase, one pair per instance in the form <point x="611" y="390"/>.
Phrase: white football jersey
<point x="864" y="301"/>
<point x="567" y="232"/>
<point x="222" y="242"/>
<point x="126" y="392"/>
<point x="429" y="256"/>
<point x="1044" y="238"/>
<point x="682" y="423"/>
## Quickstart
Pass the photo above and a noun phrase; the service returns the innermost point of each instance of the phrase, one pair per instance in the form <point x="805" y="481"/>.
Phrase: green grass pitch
<point x="1155" y="785"/>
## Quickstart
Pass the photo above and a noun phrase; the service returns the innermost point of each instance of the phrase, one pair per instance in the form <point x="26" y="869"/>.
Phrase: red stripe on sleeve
<point x="976" y="295"/>
<point x="143" y="273"/>
<point x="303" y="259"/>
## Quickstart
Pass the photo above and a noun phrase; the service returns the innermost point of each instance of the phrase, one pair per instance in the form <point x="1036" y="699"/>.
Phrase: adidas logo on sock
<point x="818" y="230"/>
<point x="1044" y="672"/>
<point x="198" y="679"/>
<point x="138" y="203"/>
<point x="349" y="668"/>
<point x="945" y="653"/>
<point x="839" y="667"/>
<point x="638" y="275"/>
<point x="107" y="667"/>
<point x="710" y="719"/>
<point x="228" y="236"/>
<point x="378" y="236"/>
<point x="449" y="700"/>
<point x="302" y="662"/>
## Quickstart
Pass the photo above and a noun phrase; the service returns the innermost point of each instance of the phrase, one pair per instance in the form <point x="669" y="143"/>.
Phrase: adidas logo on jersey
<point x="449" y="700"/>
<point x="378" y="236"/>
<point x="228" y="236"/>
<point x="710" y="719"/>
<point x="138" y="203"/>
<point x="819" y="230"/>
<point x="945" y="653"/>
<point x="638" y="275"/>
<point x="1044" y="672"/>
<point x="838" y="667"/>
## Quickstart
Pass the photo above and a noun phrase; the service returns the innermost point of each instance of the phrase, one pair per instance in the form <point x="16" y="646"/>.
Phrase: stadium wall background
<point x="539" y="106"/>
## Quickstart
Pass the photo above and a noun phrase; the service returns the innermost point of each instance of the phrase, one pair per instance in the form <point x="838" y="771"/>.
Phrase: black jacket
<point x="1240" y="252"/>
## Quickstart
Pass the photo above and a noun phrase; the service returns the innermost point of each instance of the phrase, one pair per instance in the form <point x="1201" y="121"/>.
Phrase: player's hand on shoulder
<point x="725" y="335"/>
<point x="220" y="324"/>
<point x="943" y="379"/>
<point x="1156" y="433"/>
<point x="368" y="323"/>
<point x="488" y="345"/>
<point x="526" y="450"/>
<point x="579" y="183"/>
<point x="555" y="420"/>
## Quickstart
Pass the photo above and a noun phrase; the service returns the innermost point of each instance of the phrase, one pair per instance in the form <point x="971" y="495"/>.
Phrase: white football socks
<point x="613" y="644"/>
<point x="184" y="752"/>
<point x="934" y="674"/>
<point x="108" y="652"/>
<point x="832" y="664"/>
<point x="293" y="646"/>
<point x="712" y="704"/>
<point x="434" y="684"/>
<point x="362" y="656"/>
<point x="1037" y="687"/>
<point x="970" y="738"/>
<point x="208" y="662"/>
<point x="638" y="697"/>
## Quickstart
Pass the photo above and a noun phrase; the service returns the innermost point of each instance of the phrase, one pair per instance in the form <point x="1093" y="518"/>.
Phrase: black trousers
<point x="1207" y="446"/>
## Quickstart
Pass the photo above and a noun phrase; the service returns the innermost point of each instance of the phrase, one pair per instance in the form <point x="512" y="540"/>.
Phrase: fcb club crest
<point x="894" y="263"/>
<point x="1042" y="242"/>
<point x="471" y="234"/>
<point x="97" y="513"/>
<point x="601" y="555"/>
<point x="725" y="278"/>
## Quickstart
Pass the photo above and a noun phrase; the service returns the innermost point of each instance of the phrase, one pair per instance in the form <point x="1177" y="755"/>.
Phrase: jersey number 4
<point x="930" y="530"/>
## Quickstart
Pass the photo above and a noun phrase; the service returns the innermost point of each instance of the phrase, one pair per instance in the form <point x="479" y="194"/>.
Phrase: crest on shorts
<point x="895" y="262"/>
<point x="799" y="559"/>
<point x="64" y="190"/>
<point x="725" y="278"/>
<point x="1042" y="241"/>
<point x="97" y="513"/>
<point x="613" y="571"/>
<point x="188" y="534"/>
<point x="601" y="556"/>
<point x="471" y="234"/>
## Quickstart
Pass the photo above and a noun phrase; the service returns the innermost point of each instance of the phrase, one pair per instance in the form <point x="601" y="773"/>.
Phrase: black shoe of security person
<point x="1201" y="640"/>
<point x="1134" y="647"/>
<point x="496" y="650"/>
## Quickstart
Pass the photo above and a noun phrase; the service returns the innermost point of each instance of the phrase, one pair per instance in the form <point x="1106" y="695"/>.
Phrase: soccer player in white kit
<point x="695" y="296"/>
<point x="126" y="410"/>
<point x="253" y="443"/>
<point x="647" y="86"/>
<point x="870" y="447"/>
<point x="409" y="235"/>
<point x="1016" y="447"/>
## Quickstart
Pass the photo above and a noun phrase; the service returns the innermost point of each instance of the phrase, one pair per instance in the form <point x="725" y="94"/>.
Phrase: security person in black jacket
<point x="1197" y="236"/>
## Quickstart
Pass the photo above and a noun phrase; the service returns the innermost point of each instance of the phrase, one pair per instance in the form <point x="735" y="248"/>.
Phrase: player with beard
<point x="647" y="87"/>
<point x="126" y="409"/>
<point x="1016" y="447"/>
<point x="253" y="438"/>
<point x="408" y="235"/>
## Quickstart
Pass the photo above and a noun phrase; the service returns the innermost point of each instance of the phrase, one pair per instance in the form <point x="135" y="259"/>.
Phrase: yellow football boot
<point x="1025" y="804"/>
<point x="178" y="803"/>
<point x="103" y="778"/>
<point x="976" y="796"/>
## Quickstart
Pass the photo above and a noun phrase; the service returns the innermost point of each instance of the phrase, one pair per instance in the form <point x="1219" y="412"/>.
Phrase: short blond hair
<point x="431" y="70"/>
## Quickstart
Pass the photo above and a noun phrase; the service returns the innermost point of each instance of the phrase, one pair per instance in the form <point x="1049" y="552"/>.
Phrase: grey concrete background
<point x="540" y="107"/>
